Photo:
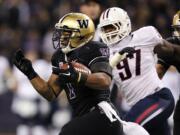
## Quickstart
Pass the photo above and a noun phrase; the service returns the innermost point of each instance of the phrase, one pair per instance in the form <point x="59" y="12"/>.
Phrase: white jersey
<point x="136" y="77"/>
<point x="172" y="80"/>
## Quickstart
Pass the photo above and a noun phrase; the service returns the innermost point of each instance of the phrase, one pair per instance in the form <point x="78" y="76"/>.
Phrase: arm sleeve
<point x="97" y="59"/>
<point x="101" y="64"/>
<point x="100" y="61"/>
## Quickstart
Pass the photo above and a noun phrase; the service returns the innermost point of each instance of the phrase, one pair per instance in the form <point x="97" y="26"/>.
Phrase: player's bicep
<point x="98" y="80"/>
<point x="165" y="50"/>
<point x="168" y="54"/>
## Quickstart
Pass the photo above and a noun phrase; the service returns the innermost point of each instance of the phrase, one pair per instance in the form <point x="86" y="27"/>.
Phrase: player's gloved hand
<point x="24" y="64"/>
<point x="68" y="74"/>
<point x="119" y="56"/>
<point x="128" y="51"/>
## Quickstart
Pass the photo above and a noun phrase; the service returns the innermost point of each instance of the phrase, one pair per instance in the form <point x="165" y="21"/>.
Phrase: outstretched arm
<point x="48" y="90"/>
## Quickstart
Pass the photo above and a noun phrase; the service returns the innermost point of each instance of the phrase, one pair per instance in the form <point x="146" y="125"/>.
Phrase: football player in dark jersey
<point x="170" y="55"/>
<point x="176" y="29"/>
<point x="88" y="94"/>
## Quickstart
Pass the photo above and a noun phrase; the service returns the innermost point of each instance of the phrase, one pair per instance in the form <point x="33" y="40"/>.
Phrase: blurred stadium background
<point x="28" y="24"/>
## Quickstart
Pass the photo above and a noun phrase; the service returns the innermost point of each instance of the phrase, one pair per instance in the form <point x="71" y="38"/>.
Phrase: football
<point x="81" y="68"/>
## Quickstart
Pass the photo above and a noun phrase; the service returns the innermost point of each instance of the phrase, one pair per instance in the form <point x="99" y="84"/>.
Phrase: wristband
<point x="32" y="75"/>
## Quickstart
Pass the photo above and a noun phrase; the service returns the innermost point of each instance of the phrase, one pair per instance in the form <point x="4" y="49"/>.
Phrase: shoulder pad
<point x="102" y="48"/>
<point x="147" y="37"/>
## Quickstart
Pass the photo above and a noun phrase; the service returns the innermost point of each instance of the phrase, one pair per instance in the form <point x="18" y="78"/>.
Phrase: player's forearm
<point x="177" y="53"/>
<point x="43" y="88"/>
<point x="170" y="51"/>
<point x="100" y="81"/>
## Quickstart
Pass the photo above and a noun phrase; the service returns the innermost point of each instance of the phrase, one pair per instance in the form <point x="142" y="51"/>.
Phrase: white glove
<point x="131" y="128"/>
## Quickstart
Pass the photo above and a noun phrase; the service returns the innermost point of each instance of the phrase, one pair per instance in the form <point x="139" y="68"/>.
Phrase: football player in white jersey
<point x="136" y="74"/>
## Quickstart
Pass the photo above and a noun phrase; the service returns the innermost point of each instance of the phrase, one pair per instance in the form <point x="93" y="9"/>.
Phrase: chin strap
<point x="67" y="49"/>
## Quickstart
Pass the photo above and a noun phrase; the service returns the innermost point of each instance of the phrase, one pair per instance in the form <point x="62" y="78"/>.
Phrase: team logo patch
<point x="104" y="51"/>
<point x="83" y="23"/>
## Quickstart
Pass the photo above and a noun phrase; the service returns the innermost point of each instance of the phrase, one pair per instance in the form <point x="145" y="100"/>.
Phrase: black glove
<point x="128" y="50"/>
<point x="24" y="65"/>
<point x="70" y="75"/>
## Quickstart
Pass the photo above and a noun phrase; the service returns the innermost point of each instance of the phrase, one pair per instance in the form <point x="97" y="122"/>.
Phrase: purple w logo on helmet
<point x="83" y="23"/>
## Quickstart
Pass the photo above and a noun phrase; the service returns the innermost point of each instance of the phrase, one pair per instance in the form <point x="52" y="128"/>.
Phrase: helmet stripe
<point x="63" y="18"/>
<point x="103" y="14"/>
<point x="107" y="14"/>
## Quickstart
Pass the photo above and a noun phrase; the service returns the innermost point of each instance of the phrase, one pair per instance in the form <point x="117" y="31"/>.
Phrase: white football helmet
<point x="119" y="23"/>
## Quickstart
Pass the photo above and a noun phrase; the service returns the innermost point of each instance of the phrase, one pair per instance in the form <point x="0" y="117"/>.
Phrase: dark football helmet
<point x="176" y="25"/>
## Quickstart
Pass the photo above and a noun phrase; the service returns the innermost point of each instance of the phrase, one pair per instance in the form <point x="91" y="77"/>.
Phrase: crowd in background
<point x="28" y="24"/>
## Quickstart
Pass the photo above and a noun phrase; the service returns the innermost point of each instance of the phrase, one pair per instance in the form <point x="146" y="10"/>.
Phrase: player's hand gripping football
<point x="68" y="74"/>
<point x="119" y="56"/>
<point x="24" y="64"/>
